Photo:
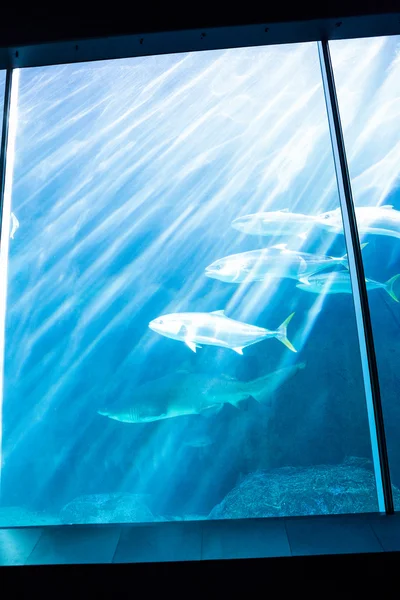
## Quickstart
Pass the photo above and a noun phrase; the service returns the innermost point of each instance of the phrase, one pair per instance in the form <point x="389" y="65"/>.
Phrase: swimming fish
<point x="377" y="220"/>
<point x="339" y="283"/>
<point x="216" y="329"/>
<point x="275" y="223"/>
<point x="182" y="393"/>
<point x="14" y="225"/>
<point x="277" y="261"/>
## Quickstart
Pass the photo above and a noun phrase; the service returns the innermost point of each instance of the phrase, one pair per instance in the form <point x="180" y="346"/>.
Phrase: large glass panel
<point x="150" y="374"/>
<point x="367" y="74"/>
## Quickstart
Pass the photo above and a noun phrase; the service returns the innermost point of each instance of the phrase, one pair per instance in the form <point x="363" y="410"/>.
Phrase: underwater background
<point x="128" y="175"/>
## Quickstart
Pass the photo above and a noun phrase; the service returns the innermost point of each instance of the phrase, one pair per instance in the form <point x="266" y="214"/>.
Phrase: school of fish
<point x="184" y="393"/>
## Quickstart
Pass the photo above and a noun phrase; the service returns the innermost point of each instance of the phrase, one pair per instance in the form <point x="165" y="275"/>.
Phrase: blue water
<point x="127" y="177"/>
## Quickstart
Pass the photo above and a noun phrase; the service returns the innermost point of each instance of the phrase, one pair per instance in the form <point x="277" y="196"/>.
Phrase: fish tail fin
<point x="389" y="287"/>
<point x="343" y="260"/>
<point x="282" y="333"/>
<point x="263" y="388"/>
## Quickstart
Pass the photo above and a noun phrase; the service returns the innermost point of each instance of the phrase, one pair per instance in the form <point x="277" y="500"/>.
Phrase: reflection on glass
<point x="368" y="87"/>
<point x="162" y="358"/>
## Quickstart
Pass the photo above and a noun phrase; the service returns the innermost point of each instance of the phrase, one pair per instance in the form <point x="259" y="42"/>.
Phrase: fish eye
<point x="326" y="217"/>
<point x="160" y="322"/>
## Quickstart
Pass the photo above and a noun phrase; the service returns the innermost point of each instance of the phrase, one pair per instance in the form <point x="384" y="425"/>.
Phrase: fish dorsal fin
<point x="183" y="330"/>
<point x="280" y="246"/>
<point x="387" y="206"/>
<point x="284" y="210"/>
<point x="220" y="313"/>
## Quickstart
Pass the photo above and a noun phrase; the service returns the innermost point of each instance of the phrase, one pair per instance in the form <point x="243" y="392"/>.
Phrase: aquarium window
<point x="367" y="82"/>
<point x="180" y="332"/>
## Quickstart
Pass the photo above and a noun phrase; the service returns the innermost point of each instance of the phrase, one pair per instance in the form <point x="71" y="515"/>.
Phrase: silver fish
<point x="377" y="220"/>
<point x="339" y="283"/>
<point x="183" y="393"/>
<point x="275" y="223"/>
<point x="216" y="329"/>
<point x="274" y="262"/>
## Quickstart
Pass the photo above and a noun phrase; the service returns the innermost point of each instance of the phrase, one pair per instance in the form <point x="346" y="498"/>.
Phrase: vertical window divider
<point x="359" y="288"/>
